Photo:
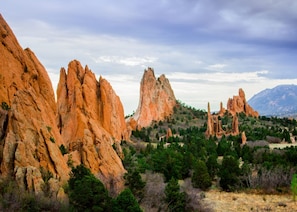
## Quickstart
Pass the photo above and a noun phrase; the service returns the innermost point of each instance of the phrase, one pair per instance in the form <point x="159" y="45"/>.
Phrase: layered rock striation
<point x="156" y="100"/>
<point x="91" y="120"/>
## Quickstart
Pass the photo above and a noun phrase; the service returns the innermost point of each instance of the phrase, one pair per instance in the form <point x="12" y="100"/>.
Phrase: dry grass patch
<point x="233" y="202"/>
<point x="282" y="145"/>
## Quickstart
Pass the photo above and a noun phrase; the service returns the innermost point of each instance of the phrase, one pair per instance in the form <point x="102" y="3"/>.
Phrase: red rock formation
<point x="214" y="125"/>
<point x="238" y="104"/>
<point x="210" y="123"/>
<point x="111" y="111"/>
<point x="91" y="119"/>
<point x="168" y="133"/>
<point x="29" y="137"/>
<point x="235" y="105"/>
<point x="222" y="110"/>
<point x="235" y="129"/>
<point x="243" y="138"/>
<point x="156" y="101"/>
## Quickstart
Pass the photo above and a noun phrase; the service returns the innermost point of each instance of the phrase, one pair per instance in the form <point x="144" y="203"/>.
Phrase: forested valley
<point x="196" y="163"/>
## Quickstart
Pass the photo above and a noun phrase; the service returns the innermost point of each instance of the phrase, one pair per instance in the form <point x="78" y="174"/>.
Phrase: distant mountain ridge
<point x="278" y="101"/>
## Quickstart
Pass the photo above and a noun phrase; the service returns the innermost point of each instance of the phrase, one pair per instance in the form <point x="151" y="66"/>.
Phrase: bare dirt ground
<point x="221" y="201"/>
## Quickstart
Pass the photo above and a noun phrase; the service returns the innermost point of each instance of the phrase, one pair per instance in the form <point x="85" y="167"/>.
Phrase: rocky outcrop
<point x="168" y="133"/>
<point x="156" y="100"/>
<point x="235" y="105"/>
<point x="222" y="110"/>
<point x="235" y="127"/>
<point x="243" y="138"/>
<point x="238" y="104"/>
<point x="91" y="120"/>
<point x="214" y="124"/>
<point x="29" y="140"/>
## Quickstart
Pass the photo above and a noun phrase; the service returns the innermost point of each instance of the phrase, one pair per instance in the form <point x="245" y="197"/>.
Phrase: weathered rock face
<point x="214" y="124"/>
<point x="91" y="120"/>
<point x="235" y="128"/>
<point x="168" y="133"/>
<point x="238" y="104"/>
<point x="243" y="138"/>
<point x="111" y="111"/>
<point x="156" y="101"/>
<point x="29" y="138"/>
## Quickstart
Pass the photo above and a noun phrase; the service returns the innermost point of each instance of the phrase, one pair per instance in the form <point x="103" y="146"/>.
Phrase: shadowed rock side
<point x="91" y="120"/>
<point x="29" y="138"/>
<point x="156" y="101"/>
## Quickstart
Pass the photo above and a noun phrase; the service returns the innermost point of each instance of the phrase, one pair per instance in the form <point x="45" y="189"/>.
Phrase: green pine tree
<point x="294" y="186"/>
<point x="125" y="202"/>
<point x="201" y="178"/>
<point x="135" y="183"/>
<point x="176" y="200"/>
<point x="229" y="173"/>
<point x="86" y="192"/>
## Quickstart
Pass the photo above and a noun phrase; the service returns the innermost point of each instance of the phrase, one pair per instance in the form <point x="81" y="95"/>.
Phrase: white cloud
<point x="219" y="77"/>
<point x="198" y="62"/>
<point x="215" y="67"/>
<point x="128" y="61"/>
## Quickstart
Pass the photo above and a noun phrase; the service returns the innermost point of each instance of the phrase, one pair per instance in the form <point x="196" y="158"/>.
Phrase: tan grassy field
<point x="234" y="202"/>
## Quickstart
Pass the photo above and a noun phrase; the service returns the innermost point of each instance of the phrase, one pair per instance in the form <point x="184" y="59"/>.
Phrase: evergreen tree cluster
<point x="189" y="154"/>
<point x="87" y="193"/>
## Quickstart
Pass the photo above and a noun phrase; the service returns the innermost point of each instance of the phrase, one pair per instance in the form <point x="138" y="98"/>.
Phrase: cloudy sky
<point x="207" y="49"/>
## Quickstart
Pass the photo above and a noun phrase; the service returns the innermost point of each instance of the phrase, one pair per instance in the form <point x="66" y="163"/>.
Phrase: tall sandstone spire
<point x="91" y="120"/>
<point x="156" y="100"/>
<point x="29" y="138"/>
<point x="235" y="105"/>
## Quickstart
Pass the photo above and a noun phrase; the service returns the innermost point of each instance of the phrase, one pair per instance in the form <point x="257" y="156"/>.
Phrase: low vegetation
<point x="13" y="198"/>
<point x="210" y="162"/>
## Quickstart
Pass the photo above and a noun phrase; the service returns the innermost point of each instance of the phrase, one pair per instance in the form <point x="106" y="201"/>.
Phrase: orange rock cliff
<point x="30" y="139"/>
<point x="91" y="120"/>
<point x="156" y="100"/>
<point x="88" y="118"/>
